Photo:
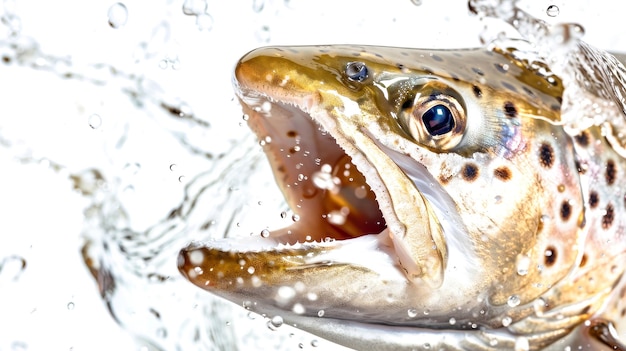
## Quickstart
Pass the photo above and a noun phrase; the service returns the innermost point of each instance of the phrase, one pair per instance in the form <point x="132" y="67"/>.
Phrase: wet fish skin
<point x="506" y="223"/>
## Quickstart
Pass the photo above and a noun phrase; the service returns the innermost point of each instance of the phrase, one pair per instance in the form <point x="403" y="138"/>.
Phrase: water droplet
<point x="161" y="332"/>
<point x="285" y="294"/>
<point x="173" y="167"/>
<point x="265" y="233"/>
<point x="258" y="5"/>
<point x="118" y="15"/>
<point x="513" y="301"/>
<point x="275" y="323"/>
<point x="283" y="215"/>
<point x="11" y="267"/>
<point x="251" y="270"/>
<point x="263" y="34"/>
<point x="132" y="168"/>
<point x="298" y="308"/>
<point x="522" y="264"/>
<point x="95" y="121"/>
<point x="251" y="315"/>
<point x="552" y="11"/>
<point x="412" y="312"/>
<point x="320" y="313"/>
<point x="315" y="343"/>
<point x="325" y="180"/>
<point x="157" y="278"/>
<point x="416" y="2"/>
<point x="338" y="217"/>
<point x="506" y="321"/>
<point x="181" y="179"/>
<point x="194" y="7"/>
<point x="522" y="344"/>
<point x="70" y="306"/>
<point x="452" y="321"/>
<point x="295" y="217"/>
<point x="204" y="22"/>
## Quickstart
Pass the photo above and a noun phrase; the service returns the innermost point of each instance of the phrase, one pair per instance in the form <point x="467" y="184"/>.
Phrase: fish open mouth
<point x="329" y="196"/>
<point x="358" y="201"/>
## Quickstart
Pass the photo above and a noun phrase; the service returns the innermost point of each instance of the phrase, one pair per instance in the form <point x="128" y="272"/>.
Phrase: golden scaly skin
<point x="481" y="235"/>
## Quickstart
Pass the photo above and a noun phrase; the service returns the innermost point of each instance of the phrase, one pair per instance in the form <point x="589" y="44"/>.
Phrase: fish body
<point x="438" y="202"/>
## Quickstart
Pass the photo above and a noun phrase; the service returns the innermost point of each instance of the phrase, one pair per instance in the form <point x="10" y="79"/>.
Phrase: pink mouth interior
<point x="329" y="196"/>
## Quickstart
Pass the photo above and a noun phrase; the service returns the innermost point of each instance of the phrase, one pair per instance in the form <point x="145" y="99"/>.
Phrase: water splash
<point x="128" y="249"/>
<point x="118" y="15"/>
<point x="594" y="79"/>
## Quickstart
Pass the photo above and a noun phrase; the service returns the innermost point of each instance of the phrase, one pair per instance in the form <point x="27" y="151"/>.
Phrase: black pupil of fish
<point x="356" y="71"/>
<point x="438" y="120"/>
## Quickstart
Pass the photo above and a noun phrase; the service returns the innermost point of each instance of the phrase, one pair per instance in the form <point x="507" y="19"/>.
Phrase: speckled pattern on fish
<point x="439" y="203"/>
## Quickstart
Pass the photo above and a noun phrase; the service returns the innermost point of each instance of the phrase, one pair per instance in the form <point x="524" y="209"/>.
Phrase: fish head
<point x="426" y="185"/>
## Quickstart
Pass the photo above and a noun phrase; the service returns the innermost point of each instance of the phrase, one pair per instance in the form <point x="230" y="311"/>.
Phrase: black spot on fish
<point x="454" y="77"/>
<point x="427" y="70"/>
<point x="477" y="92"/>
<point x="469" y="172"/>
<point x="528" y="91"/>
<point x="509" y="87"/>
<point x="502" y="173"/>
<point x="478" y="71"/>
<point x="400" y="66"/>
<point x="555" y="108"/>
<point x="566" y="210"/>
<point x="436" y="58"/>
<point x="292" y="134"/>
<point x="546" y="155"/>
<point x="403" y="53"/>
<point x="510" y="110"/>
<point x="582" y="139"/>
<point x="610" y="172"/>
<point x="378" y="55"/>
<point x="594" y="199"/>
<point x="609" y="216"/>
<point x="550" y="256"/>
<point x="6" y="59"/>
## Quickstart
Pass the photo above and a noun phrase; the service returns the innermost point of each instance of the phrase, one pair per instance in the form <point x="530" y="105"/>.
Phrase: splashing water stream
<point x="133" y="128"/>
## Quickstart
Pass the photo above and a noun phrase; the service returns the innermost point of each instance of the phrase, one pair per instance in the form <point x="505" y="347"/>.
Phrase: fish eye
<point x="436" y="120"/>
<point x="356" y="71"/>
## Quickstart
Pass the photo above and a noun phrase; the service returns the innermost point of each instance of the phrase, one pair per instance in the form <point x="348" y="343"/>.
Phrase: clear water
<point x="121" y="142"/>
